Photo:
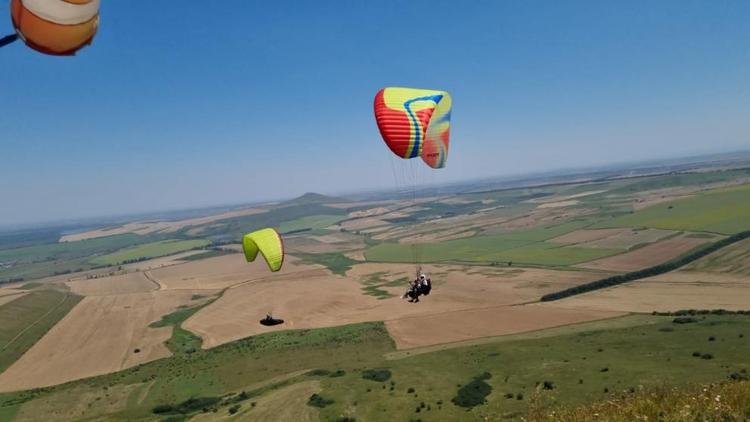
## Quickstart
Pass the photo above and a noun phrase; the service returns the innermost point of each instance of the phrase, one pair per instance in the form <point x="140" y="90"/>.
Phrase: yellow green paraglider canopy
<point x="269" y="243"/>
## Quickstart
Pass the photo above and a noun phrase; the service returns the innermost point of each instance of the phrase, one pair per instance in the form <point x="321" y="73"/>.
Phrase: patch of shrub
<point x="604" y="370"/>
<point x="508" y="395"/>
<point x="234" y="409"/>
<point x="666" y="329"/>
<point x="337" y="373"/>
<point x="739" y="376"/>
<point x="188" y="406"/>
<point x="696" y="354"/>
<point x="684" y="320"/>
<point x="161" y="409"/>
<point x="346" y="419"/>
<point x="548" y="385"/>
<point x="712" y="338"/>
<point x="319" y="401"/>
<point x="519" y="396"/>
<point x="474" y="393"/>
<point x="379" y="375"/>
<point x="707" y="356"/>
<point x="410" y="390"/>
<point x="137" y="351"/>
<point x="318" y="373"/>
<point x="197" y="403"/>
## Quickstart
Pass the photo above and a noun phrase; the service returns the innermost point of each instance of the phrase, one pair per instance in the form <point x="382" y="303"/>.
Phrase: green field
<point x="724" y="211"/>
<point x="25" y="320"/>
<point x="68" y="250"/>
<point x="606" y="360"/>
<point x="39" y="261"/>
<point x="149" y="250"/>
<point x="523" y="247"/>
<point x="312" y="222"/>
<point x="336" y="262"/>
<point x="233" y="229"/>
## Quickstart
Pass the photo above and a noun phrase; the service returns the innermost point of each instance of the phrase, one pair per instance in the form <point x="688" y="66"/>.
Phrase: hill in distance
<point x="311" y="198"/>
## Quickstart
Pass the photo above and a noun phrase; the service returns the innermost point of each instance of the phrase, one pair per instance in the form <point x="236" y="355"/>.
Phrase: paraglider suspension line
<point x="8" y="39"/>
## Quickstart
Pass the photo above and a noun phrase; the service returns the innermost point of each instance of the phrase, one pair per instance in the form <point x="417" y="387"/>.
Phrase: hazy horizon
<point x="189" y="110"/>
<point x="150" y="213"/>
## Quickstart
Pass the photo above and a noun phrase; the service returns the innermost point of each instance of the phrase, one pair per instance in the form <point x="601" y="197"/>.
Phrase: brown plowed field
<point x="647" y="256"/>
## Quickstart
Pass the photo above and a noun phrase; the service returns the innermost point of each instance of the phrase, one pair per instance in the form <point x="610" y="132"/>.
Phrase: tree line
<point x="647" y="272"/>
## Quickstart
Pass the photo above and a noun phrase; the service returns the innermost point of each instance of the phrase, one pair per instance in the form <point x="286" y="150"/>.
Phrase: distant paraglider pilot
<point x="270" y="321"/>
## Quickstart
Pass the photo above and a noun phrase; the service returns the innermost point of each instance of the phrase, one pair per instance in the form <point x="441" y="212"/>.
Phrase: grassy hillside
<point x="729" y="401"/>
<point x="499" y="379"/>
<point x="25" y="320"/>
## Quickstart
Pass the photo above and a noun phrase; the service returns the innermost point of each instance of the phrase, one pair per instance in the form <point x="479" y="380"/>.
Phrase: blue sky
<point x="238" y="101"/>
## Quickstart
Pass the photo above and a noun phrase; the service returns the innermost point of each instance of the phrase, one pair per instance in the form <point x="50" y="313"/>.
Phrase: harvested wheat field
<point x="119" y="284"/>
<point x="647" y="256"/>
<point x="469" y="324"/>
<point x="219" y="272"/>
<point x="316" y="298"/>
<point x="98" y="336"/>
<point x="669" y="292"/>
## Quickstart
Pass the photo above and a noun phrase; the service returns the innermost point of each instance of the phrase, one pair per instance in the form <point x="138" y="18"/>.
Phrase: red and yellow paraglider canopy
<point x="56" y="27"/>
<point x="415" y="123"/>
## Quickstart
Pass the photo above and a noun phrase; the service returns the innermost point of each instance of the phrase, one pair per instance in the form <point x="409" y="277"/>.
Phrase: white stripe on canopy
<point x="62" y="12"/>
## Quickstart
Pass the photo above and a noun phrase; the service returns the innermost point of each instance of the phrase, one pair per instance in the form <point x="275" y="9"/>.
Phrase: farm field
<point x="721" y="211"/>
<point x="184" y="323"/>
<point x="219" y="272"/>
<point x="149" y="250"/>
<point x="488" y="249"/>
<point x="580" y="367"/>
<point x="312" y="222"/>
<point x="24" y="321"/>
<point x="734" y="259"/>
<point x="649" y="255"/>
<point x="99" y="335"/>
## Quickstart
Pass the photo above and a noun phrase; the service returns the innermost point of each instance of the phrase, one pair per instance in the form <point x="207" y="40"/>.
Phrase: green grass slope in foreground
<point x="723" y="211"/>
<point x="714" y="402"/>
<point x="496" y="380"/>
<point x="149" y="250"/>
<point x="25" y="320"/>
